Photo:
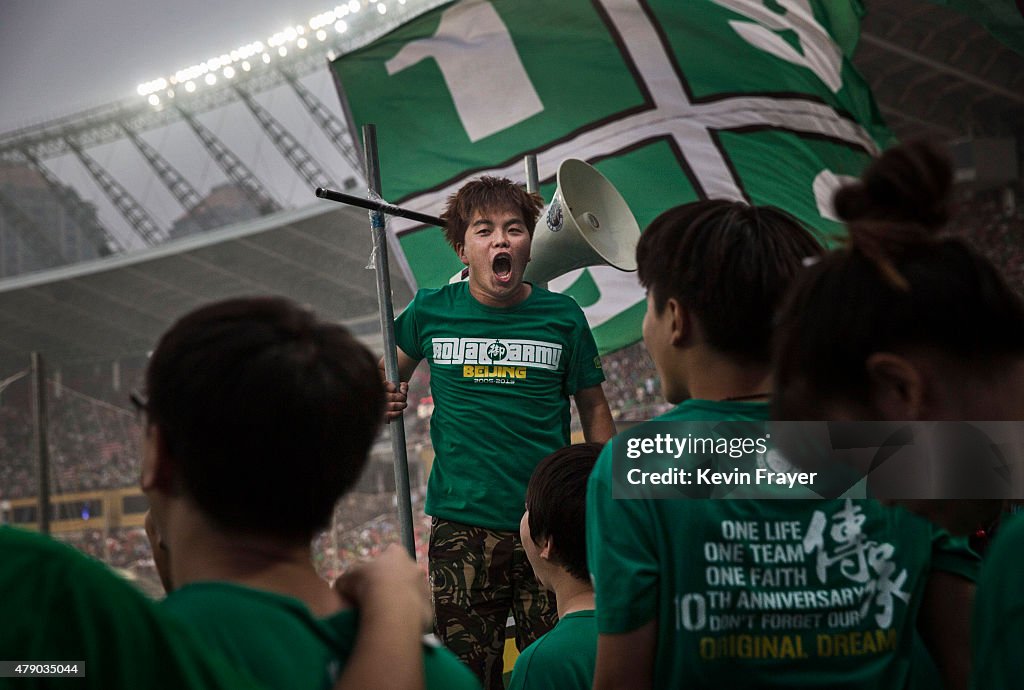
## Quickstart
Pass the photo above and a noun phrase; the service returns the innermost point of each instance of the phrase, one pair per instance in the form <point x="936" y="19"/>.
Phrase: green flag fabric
<point x="672" y="101"/>
<point x="1003" y="18"/>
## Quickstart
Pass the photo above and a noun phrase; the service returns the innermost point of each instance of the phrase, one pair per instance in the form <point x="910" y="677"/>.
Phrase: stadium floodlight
<point x="170" y="93"/>
<point x="318" y="21"/>
<point x="146" y="88"/>
<point x="228" y="63"/>
<point x="154" y="99"/>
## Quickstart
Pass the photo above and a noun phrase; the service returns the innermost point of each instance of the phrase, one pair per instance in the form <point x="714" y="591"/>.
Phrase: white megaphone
<point x="587" y="223"/>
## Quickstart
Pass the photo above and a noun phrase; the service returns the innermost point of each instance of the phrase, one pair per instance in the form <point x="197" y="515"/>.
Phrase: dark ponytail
<point x="898" y="284"/>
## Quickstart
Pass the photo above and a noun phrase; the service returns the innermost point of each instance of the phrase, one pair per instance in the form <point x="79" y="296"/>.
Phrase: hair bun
<point x="851" y="201"/>
<point x="909" y="183"/>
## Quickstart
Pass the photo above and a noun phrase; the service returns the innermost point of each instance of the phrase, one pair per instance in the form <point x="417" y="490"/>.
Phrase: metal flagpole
<point x="42" y="446"/>
<point x="384" y="207"/>
<point x="532" y="183"/>
<point x="387" y="327"/>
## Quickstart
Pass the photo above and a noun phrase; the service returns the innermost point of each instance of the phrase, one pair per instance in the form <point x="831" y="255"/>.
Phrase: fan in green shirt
<point x="940" y="336"/>
<point x="554" y="538"/>
<point x="62" y="606"/>
<point x="747" y="593"/>
<point x="505" y="358"/>
<point x="258" y="418"/>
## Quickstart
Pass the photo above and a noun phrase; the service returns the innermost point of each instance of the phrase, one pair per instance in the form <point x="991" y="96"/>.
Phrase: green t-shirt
<point x="57" y="604"/>
<point x="501" y="381"/>
<point x="997" y="627"/>
<point x="764" y="593"/>
<point x="278" y="640"/>
<point x="561" y="659"/>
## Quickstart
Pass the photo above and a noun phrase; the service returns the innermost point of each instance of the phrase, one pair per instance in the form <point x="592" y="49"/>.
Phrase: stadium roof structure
<point x="938" y="73"/>
<point x="934" y="72"/>
<point x="118" y="306"/>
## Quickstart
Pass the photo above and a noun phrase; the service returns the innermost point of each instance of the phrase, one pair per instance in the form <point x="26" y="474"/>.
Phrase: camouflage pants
<point x="477" y="576"/>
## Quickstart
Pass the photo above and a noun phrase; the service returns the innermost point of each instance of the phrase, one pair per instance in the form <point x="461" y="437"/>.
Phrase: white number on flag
<point x="819" y="54"/>
<point x="480" y="66"/>
<point x="824" y="187"/>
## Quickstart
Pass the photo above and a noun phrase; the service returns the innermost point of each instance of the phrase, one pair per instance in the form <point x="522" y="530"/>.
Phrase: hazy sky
<point x="60" y="56"/>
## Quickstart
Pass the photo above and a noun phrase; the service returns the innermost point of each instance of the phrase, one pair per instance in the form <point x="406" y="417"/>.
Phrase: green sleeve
<point x="407" y="330"/>
<point x="954" y="555"/>
<point x="622" y="557"/>
<point x="521" y="678"/>
<point x="997" y="624"/>
<point x="545" y="666"/>
<point x="585" y="365"/>
<point x="60" y="605"/>
<point x="445" y="672"/>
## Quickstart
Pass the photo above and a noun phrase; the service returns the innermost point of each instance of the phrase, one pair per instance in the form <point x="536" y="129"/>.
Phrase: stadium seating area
<point x="995" y="227"/>
<point x="95" y="444"/>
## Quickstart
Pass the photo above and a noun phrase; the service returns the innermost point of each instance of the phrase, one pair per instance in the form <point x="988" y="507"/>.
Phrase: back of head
<point x="728" y="262"/>
<point x="487" y="193"/>
<point x="556" y="498"/>
<point x="897" y="287"/>
<point x="267" y="413"/>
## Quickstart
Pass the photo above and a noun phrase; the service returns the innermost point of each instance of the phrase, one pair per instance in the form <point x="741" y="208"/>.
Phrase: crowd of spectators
<point x="17" y="471"/>
<point x="125" y="549"/>
<point x="364" y="525"/>
<point x="632" y="385"/>
<point x="94" y="444"/>
<point x="993" y="222"/>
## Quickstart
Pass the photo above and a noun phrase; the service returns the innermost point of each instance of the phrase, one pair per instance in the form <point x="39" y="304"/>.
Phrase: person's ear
<point x="460" y="249"/>
<point x="157" y="464"/>
<point x="897" y="386"/>
<point x="682" y="321"/>
<point x="545" y="549"/>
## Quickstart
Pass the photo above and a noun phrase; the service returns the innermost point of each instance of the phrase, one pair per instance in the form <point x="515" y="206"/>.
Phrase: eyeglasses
<point x="140" y="402"/>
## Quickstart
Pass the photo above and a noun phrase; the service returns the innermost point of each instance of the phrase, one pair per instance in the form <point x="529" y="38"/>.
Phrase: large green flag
<point x="672" y="101"/>
<point x="1004" y="18"/>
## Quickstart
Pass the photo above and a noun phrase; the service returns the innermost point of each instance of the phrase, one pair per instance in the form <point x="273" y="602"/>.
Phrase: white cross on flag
<point x="671" y="100"/>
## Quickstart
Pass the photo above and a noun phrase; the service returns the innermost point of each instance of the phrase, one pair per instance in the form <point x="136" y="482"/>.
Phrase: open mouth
<point x="502" y="267"/>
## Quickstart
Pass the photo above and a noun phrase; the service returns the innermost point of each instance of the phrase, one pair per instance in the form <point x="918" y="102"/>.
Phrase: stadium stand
<point x="908" y="48"/>
<point x="94" y="443"/>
